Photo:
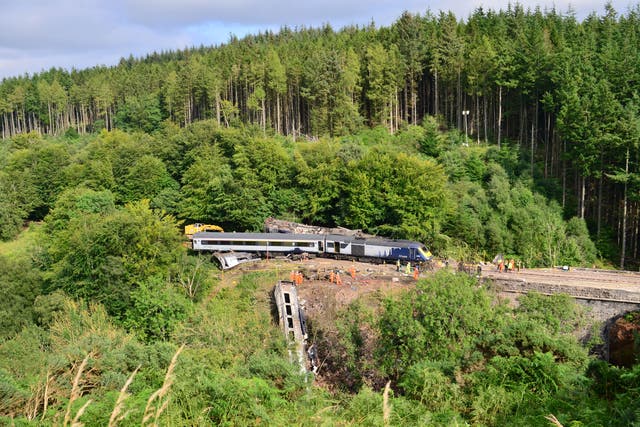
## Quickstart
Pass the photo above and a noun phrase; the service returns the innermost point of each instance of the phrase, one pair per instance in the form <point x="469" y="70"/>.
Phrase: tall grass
<point x="153" y="410"/>
<point x="75" y="394"/>
<point x="386" y="407"/>
<point x="115" y="414"/>
<point x="23" y="246"/>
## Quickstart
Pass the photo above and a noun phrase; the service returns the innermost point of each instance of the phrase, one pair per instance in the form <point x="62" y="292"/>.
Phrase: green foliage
<point x="38" y="357"/>
<point x="282" y="374"/>
<point x="20" y="284"/>
<point x="147" y="178"/>
<point x="156" y="309"/>
<point x="403" y="194"/>
<point x="193" y="275"/>
<point x="580" y="249"/>
<point x="443" y="319"/>
<point x="558" y="313"/>
<point x="37" y="175"/>
<point x="365" y="407"/>
<point x="456" y="350"/>
<point x="22" y="364"/>
<point x="490" y="403"/>
<point x="242" y="400"/>
<point x="140" y="113"/>
<point x="102" y="256"/>
<point x="76" y="203"/>
<point x="426" y="383"/>
<point x="13" y="211"/>
<point x="431" y="141"/>
<point x="47" y="307"/>
<point x="318" y="174"/>
<point x="539" y="374"/>
<point x="497" y="213"/>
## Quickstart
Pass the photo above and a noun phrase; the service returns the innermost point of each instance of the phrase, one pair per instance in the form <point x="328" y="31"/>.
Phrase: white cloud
<point x="253" y="12"/>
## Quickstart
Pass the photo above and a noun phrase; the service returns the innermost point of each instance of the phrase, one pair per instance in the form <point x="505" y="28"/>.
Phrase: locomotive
<point x="370" y="249"/>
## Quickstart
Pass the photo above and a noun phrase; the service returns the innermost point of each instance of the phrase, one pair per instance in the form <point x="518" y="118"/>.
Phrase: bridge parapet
<point x="607" y="293"/>
<point x="521" y="285"/>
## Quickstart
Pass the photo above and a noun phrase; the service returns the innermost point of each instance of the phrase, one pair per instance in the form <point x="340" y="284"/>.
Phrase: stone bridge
<point x="609" y="295"/>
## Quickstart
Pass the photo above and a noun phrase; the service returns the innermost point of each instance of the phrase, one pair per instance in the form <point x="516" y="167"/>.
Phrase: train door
<point x="329" y="247"/>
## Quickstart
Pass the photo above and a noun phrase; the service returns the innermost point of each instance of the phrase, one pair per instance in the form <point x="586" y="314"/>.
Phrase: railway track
<point x="594" y="284"/>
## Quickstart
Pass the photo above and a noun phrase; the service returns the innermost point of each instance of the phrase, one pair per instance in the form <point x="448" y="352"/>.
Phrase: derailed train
<point x="324" y="245"/>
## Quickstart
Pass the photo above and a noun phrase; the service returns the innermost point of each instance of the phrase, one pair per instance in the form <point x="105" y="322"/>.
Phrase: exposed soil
<point x="624" y="340"/>
<point x="321" y="294"/>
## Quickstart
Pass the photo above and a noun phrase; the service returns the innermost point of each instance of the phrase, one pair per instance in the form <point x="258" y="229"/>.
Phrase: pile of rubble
<point x="273" y="225"/>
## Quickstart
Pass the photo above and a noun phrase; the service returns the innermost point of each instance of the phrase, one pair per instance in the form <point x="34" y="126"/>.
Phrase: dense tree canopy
<point x="560" y="89"/>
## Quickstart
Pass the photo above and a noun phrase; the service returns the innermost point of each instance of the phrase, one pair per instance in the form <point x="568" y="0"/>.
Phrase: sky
<point x="36" y="35"/>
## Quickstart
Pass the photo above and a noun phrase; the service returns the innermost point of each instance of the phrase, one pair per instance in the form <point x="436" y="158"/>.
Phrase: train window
<point x="277" y="243"/>
<point x="329" y="245"/>
<point x="343" y="245"/>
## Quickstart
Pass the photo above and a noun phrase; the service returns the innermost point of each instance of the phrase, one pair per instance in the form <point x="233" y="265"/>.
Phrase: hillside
<point x="233" y="368"/>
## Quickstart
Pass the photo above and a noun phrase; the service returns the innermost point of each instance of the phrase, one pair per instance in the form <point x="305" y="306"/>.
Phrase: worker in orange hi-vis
<point x="416" y="273"/>
<point x="338" y="279"/>
<point x="352" y="270"/>
<point x="331" y="276"/>
<point x="300" y="278"/>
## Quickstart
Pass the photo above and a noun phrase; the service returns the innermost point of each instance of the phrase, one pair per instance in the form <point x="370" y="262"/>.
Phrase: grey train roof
<point x="214" y="235"/>
<point x="380" y="241"/>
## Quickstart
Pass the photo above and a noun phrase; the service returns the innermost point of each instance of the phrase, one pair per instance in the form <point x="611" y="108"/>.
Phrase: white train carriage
<point x="261" y="243"/>
<point x="330" y="245"/>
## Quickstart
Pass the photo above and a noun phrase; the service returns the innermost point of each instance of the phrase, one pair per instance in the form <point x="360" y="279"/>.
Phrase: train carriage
<point x="262" y="243"/>
<point x="328" y="245"/>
